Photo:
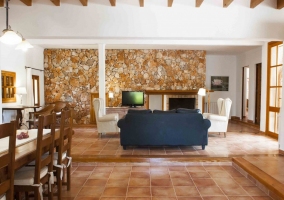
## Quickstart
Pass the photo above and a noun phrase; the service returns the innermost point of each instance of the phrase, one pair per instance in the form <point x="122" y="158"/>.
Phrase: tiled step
<point x="268" y="184"/>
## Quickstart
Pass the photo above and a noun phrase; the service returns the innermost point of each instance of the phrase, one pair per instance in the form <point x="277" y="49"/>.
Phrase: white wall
<point x="249" y="59"/>
<point x="15" y="61"/>
<point x="222" y="66"/>
<point x="35" y="59"/>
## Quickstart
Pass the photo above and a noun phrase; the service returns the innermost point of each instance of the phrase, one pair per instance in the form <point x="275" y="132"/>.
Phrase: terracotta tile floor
<point x="148" y="181"/>
<point x="240" y="140"/>
<point x="169" y="180"/>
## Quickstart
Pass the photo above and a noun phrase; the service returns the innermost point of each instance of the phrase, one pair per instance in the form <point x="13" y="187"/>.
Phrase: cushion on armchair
<point x="109" y="117"/>
<point x="217" y="117"/>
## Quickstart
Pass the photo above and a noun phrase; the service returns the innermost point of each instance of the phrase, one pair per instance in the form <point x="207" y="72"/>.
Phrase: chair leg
<point x="224" y="134"/>
<point x="58" y="182"/>
<point x="69" y="178"/>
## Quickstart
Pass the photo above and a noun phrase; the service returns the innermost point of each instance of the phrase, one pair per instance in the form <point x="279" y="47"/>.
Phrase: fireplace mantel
<point x="172" y="92"/>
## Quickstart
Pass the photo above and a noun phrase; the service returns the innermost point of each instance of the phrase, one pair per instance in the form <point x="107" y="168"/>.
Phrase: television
<point x="132" y="98"/>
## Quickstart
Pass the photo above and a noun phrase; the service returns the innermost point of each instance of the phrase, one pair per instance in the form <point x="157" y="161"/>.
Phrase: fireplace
<point x="175" y="103"/>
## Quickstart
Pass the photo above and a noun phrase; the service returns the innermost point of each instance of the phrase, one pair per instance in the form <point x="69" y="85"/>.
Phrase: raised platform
<point x="260" y="177"/>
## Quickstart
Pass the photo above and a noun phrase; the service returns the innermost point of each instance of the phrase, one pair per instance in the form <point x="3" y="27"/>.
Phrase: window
<point x="35" y="79"/>
<point x="8" y="86"/>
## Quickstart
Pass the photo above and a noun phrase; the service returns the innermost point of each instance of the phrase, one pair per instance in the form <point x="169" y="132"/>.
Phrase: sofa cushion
<point x="186" y="110"/>
<point x="139" y="111"/>
<point x="165" y="111"/>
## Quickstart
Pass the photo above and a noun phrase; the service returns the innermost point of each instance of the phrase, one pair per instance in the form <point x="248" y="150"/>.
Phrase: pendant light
<point x="11" y="37"/>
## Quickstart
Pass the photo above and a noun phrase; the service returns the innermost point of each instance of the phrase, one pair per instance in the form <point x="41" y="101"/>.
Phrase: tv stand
<point x="121" y="110"/>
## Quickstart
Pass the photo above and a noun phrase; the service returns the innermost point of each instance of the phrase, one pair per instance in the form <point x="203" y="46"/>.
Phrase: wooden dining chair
<point x="7" y="160"/>
<point x="64" y="149"/>
<point x="31" y="178"/>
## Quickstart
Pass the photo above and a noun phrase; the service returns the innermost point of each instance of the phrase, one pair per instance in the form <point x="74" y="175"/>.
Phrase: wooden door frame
<point x="267" y="132"/>
<point x="258" y="67"/>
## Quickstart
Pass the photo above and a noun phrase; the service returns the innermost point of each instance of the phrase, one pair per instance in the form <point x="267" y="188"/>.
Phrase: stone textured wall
<point x="72" y="74"/>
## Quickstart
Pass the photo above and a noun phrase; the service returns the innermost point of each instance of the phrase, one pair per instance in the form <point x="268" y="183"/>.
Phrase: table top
<point x="18" y="107"/>
<point x="26" y="149"/>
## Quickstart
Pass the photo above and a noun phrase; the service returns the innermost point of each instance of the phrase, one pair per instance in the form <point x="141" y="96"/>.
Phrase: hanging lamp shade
<point x="10" y="37"/>
<point x="24" y="45"/>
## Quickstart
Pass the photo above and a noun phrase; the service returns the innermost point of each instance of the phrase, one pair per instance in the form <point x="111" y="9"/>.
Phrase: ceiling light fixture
<point x="11" y="37"/>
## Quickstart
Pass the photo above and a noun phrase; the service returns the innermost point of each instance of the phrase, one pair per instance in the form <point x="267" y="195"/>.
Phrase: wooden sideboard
<point x="121" y="110"/>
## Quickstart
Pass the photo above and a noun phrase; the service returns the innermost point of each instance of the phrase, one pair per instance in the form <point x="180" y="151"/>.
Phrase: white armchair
<point x="105" y="123"/>
<point x="219" y="123"/>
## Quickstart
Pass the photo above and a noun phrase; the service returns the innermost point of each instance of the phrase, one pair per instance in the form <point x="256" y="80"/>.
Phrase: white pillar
<point x="102" y="82"/>
<point x="264" y="54"/>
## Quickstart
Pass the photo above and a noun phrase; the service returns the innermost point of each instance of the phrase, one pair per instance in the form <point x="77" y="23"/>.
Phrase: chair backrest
<point x="7" y="160"/>
<point x="97" y="102"/>
<point x="45" y="144"/>
<point x="59" y="106"/>
<point x="227" y="103"/>
<point x="65" y="139"/>
<point x="44" y="111"/>
<point x="219" y="105"/>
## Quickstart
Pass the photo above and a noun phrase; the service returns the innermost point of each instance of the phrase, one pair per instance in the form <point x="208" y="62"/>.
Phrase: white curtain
<point x="30" y="96"/>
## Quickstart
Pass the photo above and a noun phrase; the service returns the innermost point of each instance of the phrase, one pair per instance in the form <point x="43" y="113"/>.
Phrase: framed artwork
<point x="220" y="83"/>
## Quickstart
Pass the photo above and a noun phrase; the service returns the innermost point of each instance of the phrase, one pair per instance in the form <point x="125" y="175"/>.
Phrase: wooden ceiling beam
<point x="198" y="3"/>
<point x="170" y="3"/>
<point x="84" y="2"/>
<point x="27" y="2"/>
<point x="226" y="3"/>
<point x="280" y="4"/>
<point x="56" y="2"/>
<point x="254" y="3"/>
<point x="141" y="2"/>
<point x="112" y="2"/>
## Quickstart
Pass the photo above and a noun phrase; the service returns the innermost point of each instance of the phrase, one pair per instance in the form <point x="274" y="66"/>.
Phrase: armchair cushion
<point x="217" y="117"/>
<point x="109" y="117"/>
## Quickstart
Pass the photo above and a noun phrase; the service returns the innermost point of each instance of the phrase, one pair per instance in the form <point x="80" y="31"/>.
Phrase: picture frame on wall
<point x="220" y="83"/>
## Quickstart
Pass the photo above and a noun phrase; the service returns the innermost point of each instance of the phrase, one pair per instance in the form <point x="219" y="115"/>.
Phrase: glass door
<point x="274" y="86"/>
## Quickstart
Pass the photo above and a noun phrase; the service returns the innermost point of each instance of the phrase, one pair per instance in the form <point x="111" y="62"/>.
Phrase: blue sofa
<point x="172" y="128"/>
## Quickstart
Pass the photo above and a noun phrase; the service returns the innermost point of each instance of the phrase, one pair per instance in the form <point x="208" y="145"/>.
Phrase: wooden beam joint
<point x="280" y="4"/>
<point x="226" y="3"/>
<point x="198" y="3"/>
<point x="254" y="3"/>
<point x="112" y="2"/>
<point x="170" y="3"/>
<point x="141" y="2"/>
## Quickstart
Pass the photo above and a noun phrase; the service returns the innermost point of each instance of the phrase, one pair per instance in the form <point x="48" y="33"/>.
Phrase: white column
<point x="263" y="87"/>
<point x="102" y="82"/>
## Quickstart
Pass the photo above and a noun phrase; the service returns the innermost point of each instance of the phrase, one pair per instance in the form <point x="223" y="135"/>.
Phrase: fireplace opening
<point x="175" y="103"/>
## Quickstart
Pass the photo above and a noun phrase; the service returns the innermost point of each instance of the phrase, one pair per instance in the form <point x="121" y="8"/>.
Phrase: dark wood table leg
<point x="19" y="118"/>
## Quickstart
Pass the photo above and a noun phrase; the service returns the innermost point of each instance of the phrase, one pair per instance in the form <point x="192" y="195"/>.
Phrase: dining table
<point x="25" y="148"/>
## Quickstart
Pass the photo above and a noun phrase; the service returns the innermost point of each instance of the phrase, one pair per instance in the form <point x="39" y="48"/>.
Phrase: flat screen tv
<point x="132" y="98"/>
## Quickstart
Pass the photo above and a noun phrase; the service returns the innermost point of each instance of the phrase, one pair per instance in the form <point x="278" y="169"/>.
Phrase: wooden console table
<point x="19" y="116"/>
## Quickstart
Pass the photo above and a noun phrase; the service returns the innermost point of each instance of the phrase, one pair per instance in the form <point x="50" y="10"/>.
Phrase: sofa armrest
<point x="206" y="123"/>
<point x="217" y="118"/>
<point x="109" y="117"/>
